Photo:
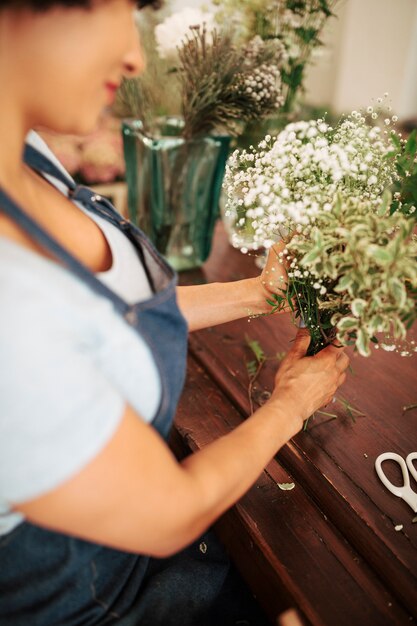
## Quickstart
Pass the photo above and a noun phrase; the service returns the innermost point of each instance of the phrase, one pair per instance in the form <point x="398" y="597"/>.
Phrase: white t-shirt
<point x="69" y="364"/>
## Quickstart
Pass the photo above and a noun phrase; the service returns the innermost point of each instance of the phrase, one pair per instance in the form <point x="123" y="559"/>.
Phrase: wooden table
<point x="329" y="546"/>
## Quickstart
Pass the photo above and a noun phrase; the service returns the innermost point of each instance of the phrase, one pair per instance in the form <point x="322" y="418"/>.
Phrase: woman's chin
<point x="81" y="126"/>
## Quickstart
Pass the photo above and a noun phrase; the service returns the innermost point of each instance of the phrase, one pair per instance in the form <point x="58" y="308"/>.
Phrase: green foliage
<point x="405" y="188"/>
<point x="252" y="368"/>
<point x="367" y="266"/>
<point x="255" y="366"/>
<point x="297" y="24"/>
<point x="351" y="259"/>
<point x="348" y="408"/>
<point x="256" y="348"/>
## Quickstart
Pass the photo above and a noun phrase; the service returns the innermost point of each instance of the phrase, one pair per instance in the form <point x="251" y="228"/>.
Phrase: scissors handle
<point x="405" y="492"/>
<point x="411" y="468"/>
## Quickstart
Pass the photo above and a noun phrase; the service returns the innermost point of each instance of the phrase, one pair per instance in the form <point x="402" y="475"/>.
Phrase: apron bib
<point x="47" y="578"/>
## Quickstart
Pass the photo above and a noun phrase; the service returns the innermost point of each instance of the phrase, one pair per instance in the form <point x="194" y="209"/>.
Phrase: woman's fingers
<point x="310" y="382"/>
<point x="342" y="361"/>
<point x="342" y="379"/>
<point x="336" y="354"/>
<point x="274" y="274"/>
<point x="300" y="345"/>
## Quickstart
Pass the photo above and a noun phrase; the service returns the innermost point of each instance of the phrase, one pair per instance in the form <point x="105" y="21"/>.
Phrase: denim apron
<point x="50" y="579"/>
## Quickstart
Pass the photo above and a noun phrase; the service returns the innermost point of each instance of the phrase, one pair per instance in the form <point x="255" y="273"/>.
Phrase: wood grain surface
<point x="329" y="546"/>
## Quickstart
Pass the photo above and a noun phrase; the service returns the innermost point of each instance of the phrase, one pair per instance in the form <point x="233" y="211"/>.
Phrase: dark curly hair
<point x="44" y="5"/>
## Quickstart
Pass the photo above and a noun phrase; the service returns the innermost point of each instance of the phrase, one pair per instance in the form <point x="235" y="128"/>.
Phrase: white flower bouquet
<point x="351" y="259"/>
<point x="171" y="33"/>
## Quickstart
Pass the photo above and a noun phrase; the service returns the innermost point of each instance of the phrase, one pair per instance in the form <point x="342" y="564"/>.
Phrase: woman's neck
<point x="13" y="133"/>
<point x="13" y="123"/>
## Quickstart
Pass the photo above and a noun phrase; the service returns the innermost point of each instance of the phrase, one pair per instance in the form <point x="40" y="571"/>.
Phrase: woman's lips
<point x="111" y="89"/>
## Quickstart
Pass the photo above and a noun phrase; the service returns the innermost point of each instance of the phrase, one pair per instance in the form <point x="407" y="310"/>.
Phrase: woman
<point x="93" y="349"/>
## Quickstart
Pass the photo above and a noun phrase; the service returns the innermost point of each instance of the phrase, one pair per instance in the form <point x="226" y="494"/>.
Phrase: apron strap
<point x="93" y="202"/>
<point x="96" y="203"/>
<point x="39" y="162"/>
<point x="22" y="219"/>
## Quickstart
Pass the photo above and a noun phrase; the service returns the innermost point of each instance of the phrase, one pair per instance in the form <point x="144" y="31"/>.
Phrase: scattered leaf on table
<point x="286" y="486"/>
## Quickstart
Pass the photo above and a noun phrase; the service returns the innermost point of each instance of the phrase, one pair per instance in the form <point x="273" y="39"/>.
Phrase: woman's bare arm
<point x="135" y="496"/>
<point x="216" y="303"/>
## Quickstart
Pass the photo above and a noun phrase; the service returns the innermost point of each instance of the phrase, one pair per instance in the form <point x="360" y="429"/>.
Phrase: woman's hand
<point x="216" y="303"/>
<point x="308" y="383"/>
<point x="273" y="279"/>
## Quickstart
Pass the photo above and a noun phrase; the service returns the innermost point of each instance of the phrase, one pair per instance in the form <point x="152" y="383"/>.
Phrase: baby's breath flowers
<point x="351" y="259"/>
<point x="288" y="180"/>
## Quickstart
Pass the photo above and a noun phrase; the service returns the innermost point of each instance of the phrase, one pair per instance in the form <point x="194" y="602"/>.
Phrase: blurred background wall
<point x="370" y="48"/>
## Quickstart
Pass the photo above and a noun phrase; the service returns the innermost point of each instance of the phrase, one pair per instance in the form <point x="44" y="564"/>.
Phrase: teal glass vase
<point x="174" y="187"/>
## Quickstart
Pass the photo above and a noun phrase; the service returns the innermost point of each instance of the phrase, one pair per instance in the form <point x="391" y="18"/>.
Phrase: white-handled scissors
<point x="405" y="492"/>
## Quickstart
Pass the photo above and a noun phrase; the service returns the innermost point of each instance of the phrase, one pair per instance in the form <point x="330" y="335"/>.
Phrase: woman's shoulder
<point x="38" y="293"/>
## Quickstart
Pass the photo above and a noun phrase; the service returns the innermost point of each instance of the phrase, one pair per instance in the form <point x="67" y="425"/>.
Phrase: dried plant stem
<point x="252" y="380"/>
<point x="409" y="407"/>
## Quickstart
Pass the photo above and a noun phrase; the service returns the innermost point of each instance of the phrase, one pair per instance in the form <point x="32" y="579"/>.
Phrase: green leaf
<point x="358" y="306"/>
<point x="276" y="300"/>
<point x="251" y="367"/>
<point x="382" y="256"/>
<point x="311" y="256"/>
<point x="286" y="486"/>
<point x="347" y="323"/>
<point x="398" y="290"/>
<point x="291" y="304"/>
<point x="306" y="34"/>
<point x="297" y="75"/>
<point x="362" y="343"/>
<point x="376" y="324"/>
<point x="396" y="141"/>
<point x="411" y="145"/>
<point x="325" y="8"/>
<point x="385" y="204"/>
<point x="344" y="283"/>
<point x="256" y="348"/>
<point x="394" y="207"/>
<point x="401" y="169"/>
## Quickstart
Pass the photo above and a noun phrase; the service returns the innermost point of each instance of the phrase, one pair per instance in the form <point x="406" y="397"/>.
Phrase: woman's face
<point x="68" y="62"/>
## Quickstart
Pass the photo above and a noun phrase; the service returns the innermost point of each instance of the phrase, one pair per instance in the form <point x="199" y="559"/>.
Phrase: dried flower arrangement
<point x="216" y="84"/>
